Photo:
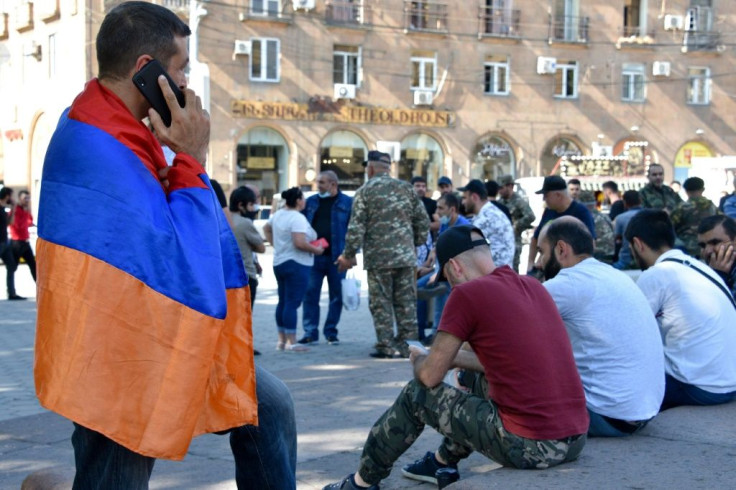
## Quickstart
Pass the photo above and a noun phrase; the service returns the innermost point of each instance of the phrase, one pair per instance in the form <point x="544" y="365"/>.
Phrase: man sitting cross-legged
<point x="614" y="335"/>
<point x="536" y="416"/>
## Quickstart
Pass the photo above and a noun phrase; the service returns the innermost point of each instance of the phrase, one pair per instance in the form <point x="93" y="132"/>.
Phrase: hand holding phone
<point x="146" y="81"/>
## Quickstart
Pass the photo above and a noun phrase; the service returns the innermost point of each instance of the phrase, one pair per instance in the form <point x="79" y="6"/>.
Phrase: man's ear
<point x="637" y="244"/>
<point x="142" y="61"/>
<point x="561" y="249"/>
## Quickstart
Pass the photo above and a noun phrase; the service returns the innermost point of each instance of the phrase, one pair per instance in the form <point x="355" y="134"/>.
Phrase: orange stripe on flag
<point x="118" y="357"/>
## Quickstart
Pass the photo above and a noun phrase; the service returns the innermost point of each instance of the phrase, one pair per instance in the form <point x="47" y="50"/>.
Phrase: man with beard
<point x="717" y="242"/>
<point x="617" y="350"/>
<point x="242" y="212"/>
<point x="695" y="312"/>
<point x="657" y="195"/>
<point x="496" y="227"/>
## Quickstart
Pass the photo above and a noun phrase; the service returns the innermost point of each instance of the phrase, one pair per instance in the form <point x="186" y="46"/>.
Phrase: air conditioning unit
<point x="344" y="91"/>
<point x="546" y="66"/>
<point x="241" y="48"/>
<point x="661" y="68"/>
<point x="673" y="22"/>
<point x="423" y="97"/>
<point x="304" y="4"/>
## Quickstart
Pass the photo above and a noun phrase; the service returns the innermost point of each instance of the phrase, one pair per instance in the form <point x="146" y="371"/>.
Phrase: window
<point x="346" y="64"/>
<point x="264" y="60"/>
<point x="496" y="72"/>
<point x="423" y="70"/>
<point x="52" y="55"/>
<point x="270" y="8"/>
<point x="566" y="80"/>
<point x="698" y="86"/>
<point x="633" y="83"/>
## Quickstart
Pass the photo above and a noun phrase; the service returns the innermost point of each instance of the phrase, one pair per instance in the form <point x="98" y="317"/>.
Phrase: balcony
<point x="498" y="22"/>
<point x="24" y="17"/>
<point x="342" y="12"/>
<point x="568" y="29"/>
<point x="48" y="10"/>
<point x="425" y="17"/>
<point x="702" y="41"/>
<point x="179" y="7"/>
<point x="269" y="10"/>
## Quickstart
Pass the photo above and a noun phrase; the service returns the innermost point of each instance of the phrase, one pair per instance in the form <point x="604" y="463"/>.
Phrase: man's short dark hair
<point x="693" y="184"/>
<point x="241" y="194"/>
<point x="451" y="201"/>
<point x="632" y="198"/>
<point x="133" y="29"/>
<point x="492" y="188"/>
<point x="417" y="178"/>
<point x="649" y="170"/>
<point x="653" y="227"/>
<point x="5" y="192"/>
<point x="573" y="181"/>
<point x="609" y="184"/>
<point x="574" y="233"/>
<point x="709" y="223"/>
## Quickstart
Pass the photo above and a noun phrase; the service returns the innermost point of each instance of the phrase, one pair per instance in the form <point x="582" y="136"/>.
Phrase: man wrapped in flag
<point x="144" y="324"/>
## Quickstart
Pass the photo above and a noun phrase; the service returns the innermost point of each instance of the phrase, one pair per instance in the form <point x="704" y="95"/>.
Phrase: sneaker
<point x="424" y="469"/>
<point x="307" y="340"/>
<point x="333" y="340"/>
<point x="347" y="484"/>
<point x="15" y="297"/>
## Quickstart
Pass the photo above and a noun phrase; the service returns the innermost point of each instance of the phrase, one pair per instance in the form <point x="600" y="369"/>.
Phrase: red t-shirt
<point x="22" y="219"/>
<point x="512" y="324"/>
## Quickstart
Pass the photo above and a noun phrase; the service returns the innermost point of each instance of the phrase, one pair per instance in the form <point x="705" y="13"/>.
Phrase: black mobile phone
<point x="146" y="79"/>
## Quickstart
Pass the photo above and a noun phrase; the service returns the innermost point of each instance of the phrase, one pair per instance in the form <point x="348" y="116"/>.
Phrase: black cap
<point x="454" y="241"/>
<point x="377" y="156"/>
<point x="552" y="183"/>
<point x="444" y="180"/>
<point x="475" y="186"/>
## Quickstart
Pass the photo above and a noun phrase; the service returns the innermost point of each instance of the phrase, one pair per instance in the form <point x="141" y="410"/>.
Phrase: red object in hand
<point x="320" y="242"/>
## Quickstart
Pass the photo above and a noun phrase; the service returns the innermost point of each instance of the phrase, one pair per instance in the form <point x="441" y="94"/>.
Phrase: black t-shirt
<point x="322" y="221"/>
<point x="3" y="226"/>
<point x="431" y="206"/>
<point x="616" y="209"/>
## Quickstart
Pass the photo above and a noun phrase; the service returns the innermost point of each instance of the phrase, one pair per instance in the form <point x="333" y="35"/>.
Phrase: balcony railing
<point x="268" y="10"/>
<point x="499" y="22"/>
<point x="342" y="12"/>
<point x="425" y="16"/>
<point x="568" y="29"/>
<point x="702" y="40"/>
<point x="180" y="7"/>
<point x="48" y="10"/>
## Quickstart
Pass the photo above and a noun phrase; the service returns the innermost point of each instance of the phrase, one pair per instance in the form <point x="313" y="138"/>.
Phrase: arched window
<point x="421" y="155"/>
<point x="493" y="157"/>
<point x="556" y="151"/>
<point x="263" y="156"/>
<point x="344" y="152"/>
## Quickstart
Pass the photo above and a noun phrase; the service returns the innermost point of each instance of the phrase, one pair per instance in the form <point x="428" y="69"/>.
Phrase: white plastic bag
<point x="350" y="292"/>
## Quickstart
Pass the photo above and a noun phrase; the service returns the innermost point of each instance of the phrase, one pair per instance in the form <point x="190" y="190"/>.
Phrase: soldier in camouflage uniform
<point x="388" y="220"/>
<point x="537" y="417"/>
<point x="657" y="195"/>
<point x="688" y="215"/>
<point x="605" y="238"/>
<point x="521" y="213"/>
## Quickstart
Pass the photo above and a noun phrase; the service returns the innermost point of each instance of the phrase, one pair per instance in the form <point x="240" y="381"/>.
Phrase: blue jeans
<point x="677" y="393"/>
<point x="600" y="427"/>
<point x="265" y="456"/>
<point x="422" y="307"/>
<point x="323" y="267"/>
<point x="292" y="278"/>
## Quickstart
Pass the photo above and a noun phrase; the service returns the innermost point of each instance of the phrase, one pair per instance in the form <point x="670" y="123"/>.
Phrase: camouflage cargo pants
<point x="392" y="294"/>
<point x="469" y="422"/>
<point x="517" y="252"/>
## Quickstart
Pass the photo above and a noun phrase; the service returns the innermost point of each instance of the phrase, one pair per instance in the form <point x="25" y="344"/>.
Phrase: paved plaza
<point x="339" y="392"/>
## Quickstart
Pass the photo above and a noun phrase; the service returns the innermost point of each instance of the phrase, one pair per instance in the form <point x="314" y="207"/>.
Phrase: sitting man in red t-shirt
<point x="523" y="382"/>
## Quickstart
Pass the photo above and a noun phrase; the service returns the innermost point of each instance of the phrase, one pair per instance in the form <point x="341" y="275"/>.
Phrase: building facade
<point x="596" y="89"/>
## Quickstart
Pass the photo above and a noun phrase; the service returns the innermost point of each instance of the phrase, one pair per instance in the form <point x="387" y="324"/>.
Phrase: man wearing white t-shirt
<point x="695" y="311"/>
<point x="615" y="340"/>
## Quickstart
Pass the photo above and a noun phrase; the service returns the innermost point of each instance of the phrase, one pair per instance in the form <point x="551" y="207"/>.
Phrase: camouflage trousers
<point x="469" y="422"/>
<point x="392" y="295"/>
<point x="517" y="252"/>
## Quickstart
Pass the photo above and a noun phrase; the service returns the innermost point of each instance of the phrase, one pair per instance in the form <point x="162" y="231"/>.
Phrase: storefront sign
<point x="690" y="150"/>
<point x="341" y="152"/>
<point x="417" y="154"/>
<point x="261" y="163"/>
<point x="343" y="114"/>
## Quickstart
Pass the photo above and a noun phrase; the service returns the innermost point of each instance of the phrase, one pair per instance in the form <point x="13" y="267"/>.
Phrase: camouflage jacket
<point x="605" y="241"/>
<point x="663" y="198"/>
<point x="497" y="229"/>
<point x="686" y="218"/>
<point x="388" y="220"/>
<point x="521" y="213"/>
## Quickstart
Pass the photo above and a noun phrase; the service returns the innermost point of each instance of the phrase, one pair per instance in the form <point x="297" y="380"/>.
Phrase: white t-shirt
<point x="697" y="323"/>
<point x="615" y="340"/>
<point x="284" y="222"/>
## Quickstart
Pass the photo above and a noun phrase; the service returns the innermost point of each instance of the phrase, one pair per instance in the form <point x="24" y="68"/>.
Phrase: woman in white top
<point x="290" y="233"/>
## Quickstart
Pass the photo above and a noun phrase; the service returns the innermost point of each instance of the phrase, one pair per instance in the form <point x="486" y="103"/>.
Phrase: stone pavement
<point x="339" y="392"/>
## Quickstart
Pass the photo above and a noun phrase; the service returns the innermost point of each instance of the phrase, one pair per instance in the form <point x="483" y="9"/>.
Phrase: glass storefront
<point x="344" y="152"/>
<point x="493" y="156"/>
<point x="555" y="155"/>
<point x="635" y="156"/>
<point x="262" y="159"/>
<point x="421" y="155"/>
